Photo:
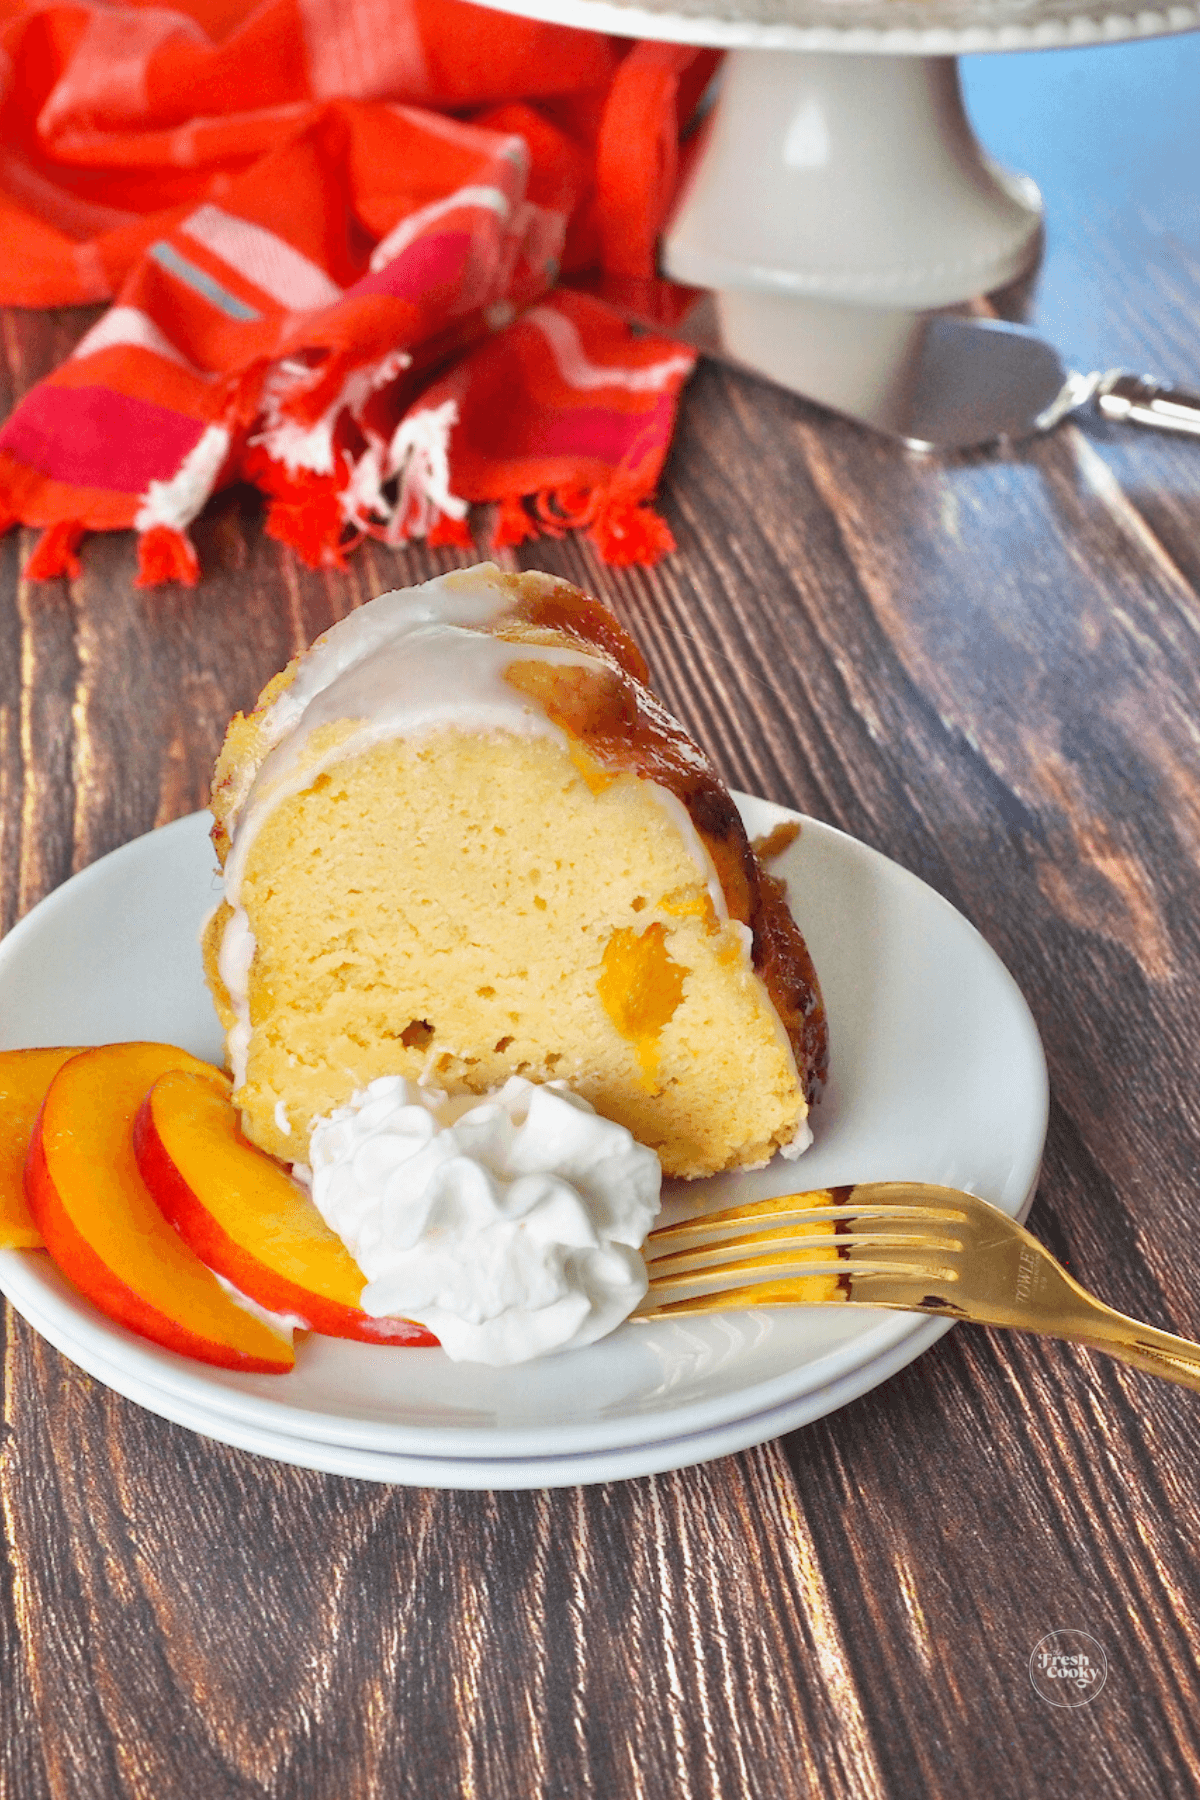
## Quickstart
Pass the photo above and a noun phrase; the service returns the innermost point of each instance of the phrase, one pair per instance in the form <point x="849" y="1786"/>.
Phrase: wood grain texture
<point x="989" y="669"/>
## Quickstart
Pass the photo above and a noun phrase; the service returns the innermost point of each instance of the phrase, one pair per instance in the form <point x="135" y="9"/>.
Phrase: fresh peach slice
<point x="24" y="1077"/>
<point x="101" y="1223"/>
<point x="245" y="1217"/>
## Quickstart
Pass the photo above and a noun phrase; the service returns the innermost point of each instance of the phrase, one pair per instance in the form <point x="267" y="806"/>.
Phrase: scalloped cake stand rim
<point x="1052" y="29"/>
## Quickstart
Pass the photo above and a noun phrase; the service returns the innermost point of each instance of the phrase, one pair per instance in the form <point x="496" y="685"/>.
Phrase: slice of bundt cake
<point x="461" y="840"/>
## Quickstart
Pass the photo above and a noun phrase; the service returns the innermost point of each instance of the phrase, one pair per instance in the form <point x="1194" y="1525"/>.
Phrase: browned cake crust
<point x="625" y="727"/>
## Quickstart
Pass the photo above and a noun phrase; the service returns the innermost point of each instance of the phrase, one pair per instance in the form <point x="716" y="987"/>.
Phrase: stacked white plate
<point x="937" y="1075"/>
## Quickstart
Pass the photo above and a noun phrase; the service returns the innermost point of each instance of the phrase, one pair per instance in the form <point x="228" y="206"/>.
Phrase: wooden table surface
<point x="988" y="669"/>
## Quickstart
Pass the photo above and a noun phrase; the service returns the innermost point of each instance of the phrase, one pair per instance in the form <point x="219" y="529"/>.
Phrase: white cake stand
<point x="840" y="170"/>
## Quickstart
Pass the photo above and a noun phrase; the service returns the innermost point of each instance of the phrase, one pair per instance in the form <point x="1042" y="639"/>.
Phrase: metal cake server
<point x="963" y="382"/>
<point x="935" y="381"/>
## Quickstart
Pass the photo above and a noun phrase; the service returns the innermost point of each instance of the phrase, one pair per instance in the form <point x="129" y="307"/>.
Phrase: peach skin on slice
<point x="24" y="1077"/>
<point x="103" y="1227"/>
<point x="243" y="1214"/>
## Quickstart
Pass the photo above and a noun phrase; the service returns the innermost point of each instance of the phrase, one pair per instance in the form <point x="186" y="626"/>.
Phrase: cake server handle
<point x="1138" y="400"/>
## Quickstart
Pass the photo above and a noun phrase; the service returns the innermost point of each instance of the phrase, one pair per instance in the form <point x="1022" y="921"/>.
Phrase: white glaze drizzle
<point x="434" y="677"/>
<point x="466" y="597"/>
<point x="233" y="966"/>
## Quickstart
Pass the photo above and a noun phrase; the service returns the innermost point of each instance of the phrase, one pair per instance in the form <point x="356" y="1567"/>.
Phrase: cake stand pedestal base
<point x="847" y="178"/>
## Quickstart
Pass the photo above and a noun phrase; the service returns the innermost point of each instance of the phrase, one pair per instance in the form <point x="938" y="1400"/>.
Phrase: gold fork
<point x="901" y="1244"/>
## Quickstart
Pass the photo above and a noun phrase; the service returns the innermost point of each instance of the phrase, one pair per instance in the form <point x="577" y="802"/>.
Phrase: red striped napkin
<point x="332" y="230"/>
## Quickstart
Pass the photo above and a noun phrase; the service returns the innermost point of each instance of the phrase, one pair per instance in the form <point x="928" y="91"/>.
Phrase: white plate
<point x="938" y="1075"/>
<point x="485" y="1472"/>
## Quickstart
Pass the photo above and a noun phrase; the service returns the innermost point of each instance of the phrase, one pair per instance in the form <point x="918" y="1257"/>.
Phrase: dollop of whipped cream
<point x="509" y="1225"/>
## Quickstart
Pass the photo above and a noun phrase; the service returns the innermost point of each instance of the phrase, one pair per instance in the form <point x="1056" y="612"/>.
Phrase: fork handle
<point x="1079" y="1318"/>
<point x="1157" y="1352"/>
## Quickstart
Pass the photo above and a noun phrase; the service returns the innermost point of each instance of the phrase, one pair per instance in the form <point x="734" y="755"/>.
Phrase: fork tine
<point x="836" y="1243"/>
<point x="825" y="1206"/>
<point x="782" y="1267"/>
<point x="766" y="1293"/>
<point x="848" y="1246"/>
